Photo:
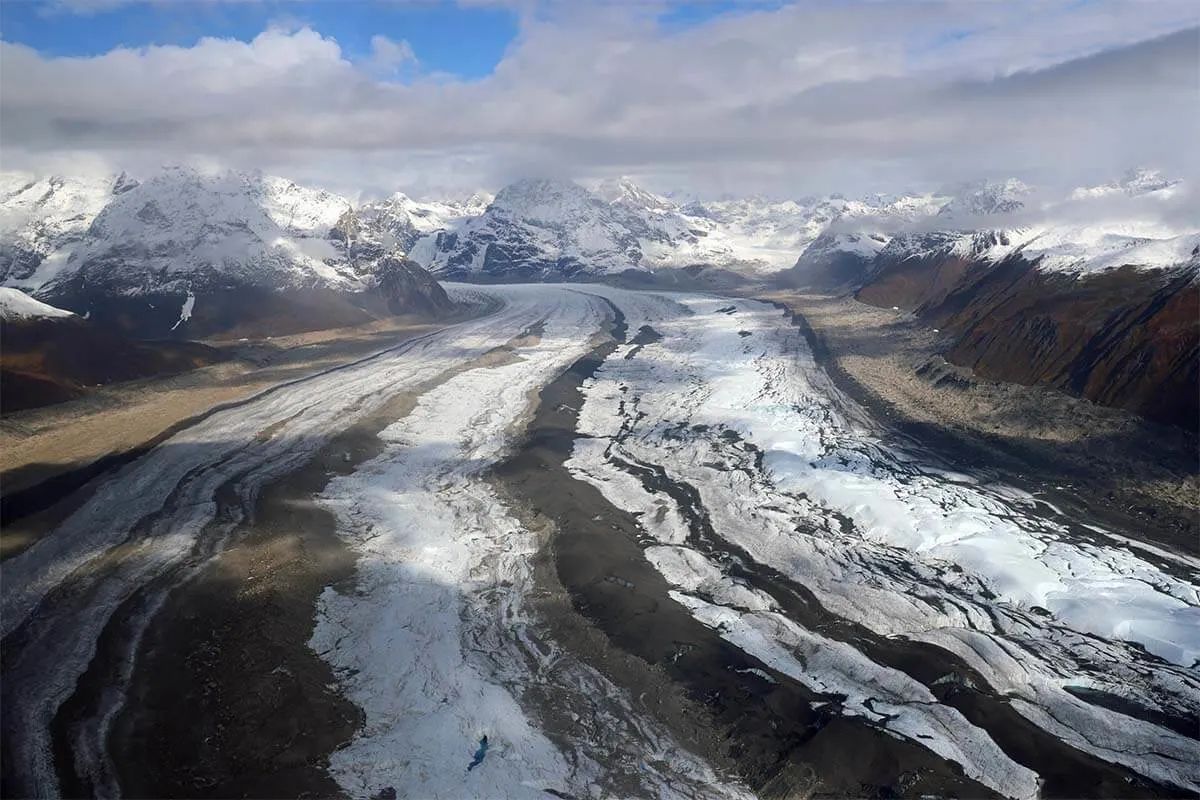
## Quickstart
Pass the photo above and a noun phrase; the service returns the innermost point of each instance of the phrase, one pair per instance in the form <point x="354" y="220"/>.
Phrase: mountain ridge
<point x="1032" y="286"/>
<point x="188" y="253"/>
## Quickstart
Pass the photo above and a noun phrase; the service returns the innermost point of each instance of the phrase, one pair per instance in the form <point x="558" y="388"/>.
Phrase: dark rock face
<point x="1123" y="338"/>
<point x="47" y="361"/>
<point x="18" y="262"/>
<point x="219" y="310"/>
<point x="825" y="266"/>
<point x="223" y="308"/>
<point x="406" y="288"/>
<point x="260" y="297"/>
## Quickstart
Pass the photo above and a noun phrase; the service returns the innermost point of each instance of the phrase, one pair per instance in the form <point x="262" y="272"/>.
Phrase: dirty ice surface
<point x="435" y="643"/>
<point x="731" y="403"/>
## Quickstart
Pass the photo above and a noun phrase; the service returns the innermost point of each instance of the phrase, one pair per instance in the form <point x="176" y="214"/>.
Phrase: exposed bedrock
<point x="1123" y="338"/>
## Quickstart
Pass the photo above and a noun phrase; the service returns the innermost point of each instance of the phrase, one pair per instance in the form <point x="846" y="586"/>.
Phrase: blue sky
<point x="465" y="40"/>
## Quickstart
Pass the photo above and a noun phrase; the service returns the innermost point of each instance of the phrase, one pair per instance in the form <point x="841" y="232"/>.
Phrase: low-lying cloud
<point x="808" y="99"/>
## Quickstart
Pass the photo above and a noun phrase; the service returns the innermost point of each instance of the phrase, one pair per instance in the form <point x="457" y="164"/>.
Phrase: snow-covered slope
<point x="1134" y="183"/>
<point x="185" y="228"/>
<point x="982" y="198"/>
<point x="540" y="230"/>
<point x="1087" y="231"/>
<point x="16" y="305"/>
<point x="42" y="217"/>
<point x="557" y="229"/>
<point x="1123" y="223"/>
<point x="150" y="254"/>
<point x="624" y="191"/>
<point x="781" y="232"/>
<point x="400" y="221"/>
<point x="1091" y="230"/>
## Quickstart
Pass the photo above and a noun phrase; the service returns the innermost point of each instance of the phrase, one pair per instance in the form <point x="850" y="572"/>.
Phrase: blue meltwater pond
<point x="479" y="754"/>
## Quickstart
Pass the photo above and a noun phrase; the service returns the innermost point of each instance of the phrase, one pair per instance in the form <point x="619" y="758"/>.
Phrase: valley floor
<point x="596" y="543"/>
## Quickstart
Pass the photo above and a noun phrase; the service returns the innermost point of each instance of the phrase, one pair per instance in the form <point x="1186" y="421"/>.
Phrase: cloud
<point x="1156" y="215"/>
<point x="809" y="98"/>
<point x="390" y="59"/>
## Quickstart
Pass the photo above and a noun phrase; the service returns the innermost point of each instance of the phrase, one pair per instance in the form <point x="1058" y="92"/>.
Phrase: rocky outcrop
<point x="833" y="262"/>
<point x="1127" y="338"/>
<point x="406" y="288"/>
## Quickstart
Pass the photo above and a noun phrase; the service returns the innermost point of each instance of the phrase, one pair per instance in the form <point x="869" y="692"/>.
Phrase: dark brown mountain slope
<point x="45" y="361"/>
<point x="233" y="307"/>
<point x="1126" y="338"/>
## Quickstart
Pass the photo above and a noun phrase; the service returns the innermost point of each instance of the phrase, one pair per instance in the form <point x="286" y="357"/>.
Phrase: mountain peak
<point x="625" y="191"/>
<point x="544" y="199"/>
<point x="981" y="198"/>
<point x="123" y="183"/>
<point x="1140" y="180"/>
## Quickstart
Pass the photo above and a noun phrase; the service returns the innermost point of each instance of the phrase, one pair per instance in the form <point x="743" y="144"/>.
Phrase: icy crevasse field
<point x="723" y="397"/>
<point x="730" y="404"/>
<point x="712" y="422"/>
<point x="434" y="643"/>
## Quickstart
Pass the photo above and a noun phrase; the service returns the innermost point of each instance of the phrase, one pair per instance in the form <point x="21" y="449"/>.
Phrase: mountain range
<point x="184" y="227"/>
<point x="189" y="253"/>
<point x="1086" y="290"/>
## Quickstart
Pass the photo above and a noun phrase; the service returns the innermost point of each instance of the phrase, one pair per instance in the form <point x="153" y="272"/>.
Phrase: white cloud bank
<point x="811" y="98"/>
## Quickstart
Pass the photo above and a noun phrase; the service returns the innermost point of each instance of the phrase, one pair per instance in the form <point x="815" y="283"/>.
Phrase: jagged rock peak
<point x="123" y="183"/>
<point x="981" y="198"/>
<point x="624" y="190"/>
<point x="1141" y="181"/>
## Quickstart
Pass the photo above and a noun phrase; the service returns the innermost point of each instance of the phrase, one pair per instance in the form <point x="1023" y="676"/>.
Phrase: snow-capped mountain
<point x="983" y="198"/>
<point x="188" y="228"/>
<point x="625" y="192"/>
<point x="40" y="217"/>
<point x="547" y="230"/>
<point x="1085" y="232"/>
<point x="185" y="230"/>
<point x="157" y="255"/>
<point x="1134" y="183"/>
<point x="399" y="221"/>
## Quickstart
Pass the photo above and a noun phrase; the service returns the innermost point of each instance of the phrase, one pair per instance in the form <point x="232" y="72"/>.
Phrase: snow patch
<point x="15" y="304"/>
<point x="185" y="313"/>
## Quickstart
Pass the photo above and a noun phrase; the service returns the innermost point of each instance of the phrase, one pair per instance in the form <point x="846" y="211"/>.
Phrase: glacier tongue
<point x="733" y="405"/>
<point x="436" y="643"/>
